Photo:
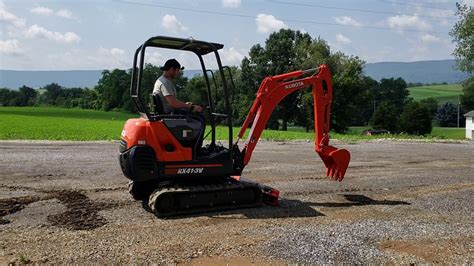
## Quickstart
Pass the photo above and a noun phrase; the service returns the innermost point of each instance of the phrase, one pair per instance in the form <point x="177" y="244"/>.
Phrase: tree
<point x="282" y="53"/>
<point x="52" y="92"/>
<point x="350" y="95"/>
<point x="432" y="105"/>
<point x="467" y="98"/>
<point x="385" y="117"/>
<point x="415" y="119"/>
<point x="195" y="91"/>
<point x="89" y="99"/>
<point x="4" y="96"/>
<point x="289" y="50"/>
<point x="370" y="104"/>
<point x="9" y="97"/>
<point x="394" y="91"/>
<point x="447" y="115"/>
<point x="350" y="87"/>
<point x="27" y="96"/>
<point x="463" y="34"/>
<point x="112" y="87"/>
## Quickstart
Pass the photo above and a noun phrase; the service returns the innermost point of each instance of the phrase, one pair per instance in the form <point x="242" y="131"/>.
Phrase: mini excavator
<point x="160" y="152"/>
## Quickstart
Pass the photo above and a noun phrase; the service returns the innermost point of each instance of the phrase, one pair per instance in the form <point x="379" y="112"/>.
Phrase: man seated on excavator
<point x="165" y="89"/>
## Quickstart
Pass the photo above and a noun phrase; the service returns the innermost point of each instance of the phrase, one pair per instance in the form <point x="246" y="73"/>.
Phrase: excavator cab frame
<point x="199" y="48"/>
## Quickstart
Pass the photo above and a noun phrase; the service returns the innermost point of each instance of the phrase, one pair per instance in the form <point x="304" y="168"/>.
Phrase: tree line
<point x="358" y="99"/>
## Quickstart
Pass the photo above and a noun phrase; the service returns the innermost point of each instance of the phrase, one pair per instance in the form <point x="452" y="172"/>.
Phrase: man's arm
<point x="177" y="104"/>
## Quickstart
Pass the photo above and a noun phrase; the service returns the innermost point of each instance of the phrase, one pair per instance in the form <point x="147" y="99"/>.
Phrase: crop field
<point x="442" y="93"/>
<point x="59" y="124"/>
<point x="41" y="123"/>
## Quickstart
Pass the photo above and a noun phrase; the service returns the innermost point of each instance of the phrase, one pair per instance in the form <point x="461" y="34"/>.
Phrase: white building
<point x="470" y="124"/>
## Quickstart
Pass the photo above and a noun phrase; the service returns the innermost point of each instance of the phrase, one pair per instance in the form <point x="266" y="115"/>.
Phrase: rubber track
<point x="189" y="193"/>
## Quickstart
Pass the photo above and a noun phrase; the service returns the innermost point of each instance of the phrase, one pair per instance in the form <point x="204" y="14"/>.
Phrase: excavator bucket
<point x="336" y="161"/>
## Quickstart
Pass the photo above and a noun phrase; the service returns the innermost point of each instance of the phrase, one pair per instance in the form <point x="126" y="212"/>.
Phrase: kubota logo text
<point x="190" y="170"/>
<point x="294" y="85"/>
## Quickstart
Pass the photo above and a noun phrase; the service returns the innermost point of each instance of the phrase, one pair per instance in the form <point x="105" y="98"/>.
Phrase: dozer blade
<point x="336" y="161"/>
<point x="184" y="199"/>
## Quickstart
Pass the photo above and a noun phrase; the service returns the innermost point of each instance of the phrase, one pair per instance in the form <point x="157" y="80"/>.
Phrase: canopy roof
<point x="198" y="47"/>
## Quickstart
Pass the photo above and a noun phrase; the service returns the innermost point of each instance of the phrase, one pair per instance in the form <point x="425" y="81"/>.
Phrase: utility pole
<point x="459" y="103"/>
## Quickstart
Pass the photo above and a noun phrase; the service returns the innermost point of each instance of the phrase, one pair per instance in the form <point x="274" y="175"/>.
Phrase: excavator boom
<point x="273" y="90"/>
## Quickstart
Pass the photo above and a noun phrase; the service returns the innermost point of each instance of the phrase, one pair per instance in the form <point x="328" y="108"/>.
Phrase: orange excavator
<point x="160" y="153"/>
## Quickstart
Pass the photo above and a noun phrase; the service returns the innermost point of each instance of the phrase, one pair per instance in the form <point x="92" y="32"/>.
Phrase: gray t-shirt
<point x="164" y="87"/>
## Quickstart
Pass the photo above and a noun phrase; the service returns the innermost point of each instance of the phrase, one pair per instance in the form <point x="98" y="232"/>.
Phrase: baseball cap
<point x="171" y="63"/>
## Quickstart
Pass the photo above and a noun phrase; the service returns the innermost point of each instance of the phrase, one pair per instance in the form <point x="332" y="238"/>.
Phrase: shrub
<point x="415" y="119"/>
<point x="385" y="117"/>
<point x="447" y="115"/>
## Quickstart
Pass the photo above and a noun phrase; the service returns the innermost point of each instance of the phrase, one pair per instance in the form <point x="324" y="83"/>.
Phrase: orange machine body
<point x="140" y="131"/>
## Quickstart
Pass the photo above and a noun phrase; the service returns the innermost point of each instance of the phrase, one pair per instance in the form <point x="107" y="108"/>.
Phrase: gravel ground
<point x="401" y="202"/>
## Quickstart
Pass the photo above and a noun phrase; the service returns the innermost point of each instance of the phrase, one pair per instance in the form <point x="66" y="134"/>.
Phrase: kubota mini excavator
<point x="159" y="152"/>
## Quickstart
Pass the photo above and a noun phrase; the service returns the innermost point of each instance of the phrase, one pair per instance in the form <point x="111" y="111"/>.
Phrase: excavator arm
<point x="274" y="89"/>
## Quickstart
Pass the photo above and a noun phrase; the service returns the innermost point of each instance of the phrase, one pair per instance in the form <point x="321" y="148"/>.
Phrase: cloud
<point x="231" y="3"/>
<point x="100" y="58"/>
<point x="108" y="58"/>
<point x="44" y="11"/>
<point x="155" y="58"/>
<point x="10" y="47"/>
<point x="408" y="22"/>
<point x="341" y="39"/>
<point x="428" y="38"/>
<point x="171" y="23"/>
<point x="9" y="18"/>
<point x="64" y="13"/>
<point x="40" y="10"/>
<point x="346" y="20"/>
<point x="268" y="23"/>
<point x="36" y="31"/>
<point x="111" y="51"/>
<point x="232" y="56"/>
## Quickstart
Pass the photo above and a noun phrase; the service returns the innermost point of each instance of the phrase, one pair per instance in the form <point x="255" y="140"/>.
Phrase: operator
<point x="166" y="90"/>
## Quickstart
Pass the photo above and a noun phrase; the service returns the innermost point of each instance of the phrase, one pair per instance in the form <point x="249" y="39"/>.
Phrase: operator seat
<point x="188" y="128"/>
<point x="157" y="105"/>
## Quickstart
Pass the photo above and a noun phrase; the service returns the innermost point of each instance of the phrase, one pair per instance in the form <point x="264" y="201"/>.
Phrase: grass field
<point x="60" y="124"/>
<point x="42" y="123"/>
<point x="443" y="93"/>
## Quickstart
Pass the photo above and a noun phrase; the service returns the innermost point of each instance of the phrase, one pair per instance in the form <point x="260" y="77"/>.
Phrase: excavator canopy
<point x="198" y="47"/>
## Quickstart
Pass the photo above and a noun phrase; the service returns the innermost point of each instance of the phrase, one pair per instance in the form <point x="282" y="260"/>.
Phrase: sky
<point x="103" y="34"/>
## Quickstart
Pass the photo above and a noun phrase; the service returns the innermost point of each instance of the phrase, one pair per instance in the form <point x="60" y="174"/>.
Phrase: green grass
<point x="448" y="133"/>
<point x="44" y="123"/>
<point x="60" y="124"/>
<point x="443" y="93"/>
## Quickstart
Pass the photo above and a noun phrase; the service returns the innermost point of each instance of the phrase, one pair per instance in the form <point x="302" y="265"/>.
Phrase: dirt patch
<point x="82" y="213"/>
<point x="12" y="205"/>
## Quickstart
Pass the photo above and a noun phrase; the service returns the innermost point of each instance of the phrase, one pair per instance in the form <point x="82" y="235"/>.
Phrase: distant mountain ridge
<point x="14" y="79"/>
<point x="421" y="71"/>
